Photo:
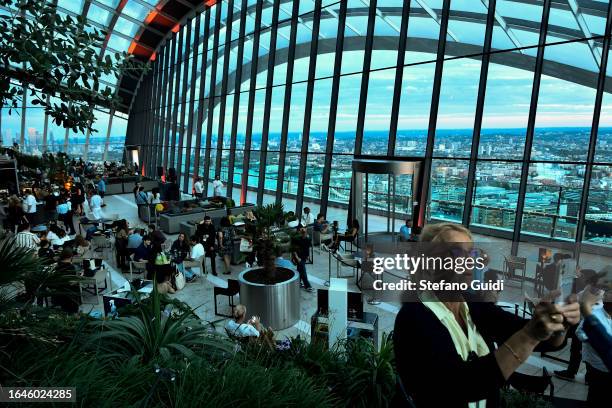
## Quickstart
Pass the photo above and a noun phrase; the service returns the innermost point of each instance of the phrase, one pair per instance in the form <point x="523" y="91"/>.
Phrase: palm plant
<point x="155" y="335"/>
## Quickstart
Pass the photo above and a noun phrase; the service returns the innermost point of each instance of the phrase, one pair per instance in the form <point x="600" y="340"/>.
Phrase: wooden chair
<point x="233" y="289"/>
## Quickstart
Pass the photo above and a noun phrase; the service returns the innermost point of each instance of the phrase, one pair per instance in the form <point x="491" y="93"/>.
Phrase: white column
<point x="338" y="320"/>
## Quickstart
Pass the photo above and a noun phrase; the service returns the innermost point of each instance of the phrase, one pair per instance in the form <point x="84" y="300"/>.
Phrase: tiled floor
<point x="199" y="295"/>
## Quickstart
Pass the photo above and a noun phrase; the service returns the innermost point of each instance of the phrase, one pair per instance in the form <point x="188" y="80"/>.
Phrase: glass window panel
<point x="457" y="108"/>
<point x="562" y="129"/>
<point x="378" y="112"/>
<point x="118" y="43"/>
<point x="346" y="115"/>
<point x="76" y="6"/>
<point x="320" y="115"/>
<point x="506" y="109"/>
<point x="413" y="120"/>
<point x="135" y="10"/>
<point x="448" y="183"/>
<point x="496" y="194"/>
<point x="126" y="27"/>
<point x="34" y="130"/>
<point x="296" y="117"/>
<point x="598" y="220"/>
<point x="99" y="15"/>
<point x="552" y="200"/>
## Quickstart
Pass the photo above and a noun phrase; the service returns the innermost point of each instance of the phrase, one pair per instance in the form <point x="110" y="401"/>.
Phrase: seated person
<point x="156" y="235"/>
<point x="237" y="326"/>
<point x="45" y="251"/>
<point x="197" y="254"/>
<point x="321" y="225"/>
<point x="81" y="245"/>
<point x="143" y="252"/>
<point x="349" y="236"/>
<point x="163" y="277"/>
<point x="134" y="240"/>
<point x="405" y="231"/>
<point x="69" y="299"/>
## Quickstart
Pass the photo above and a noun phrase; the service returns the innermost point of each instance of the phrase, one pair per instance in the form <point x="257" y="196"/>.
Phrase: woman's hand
<point x="571" y="310"/>
<point x="547" y="319"/>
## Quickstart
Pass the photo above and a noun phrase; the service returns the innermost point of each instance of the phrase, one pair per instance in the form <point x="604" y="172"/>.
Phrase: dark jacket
<point x="432" y="372"/>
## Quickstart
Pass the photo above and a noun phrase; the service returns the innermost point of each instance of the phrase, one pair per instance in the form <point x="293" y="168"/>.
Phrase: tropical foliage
<point x="55" y="60"/>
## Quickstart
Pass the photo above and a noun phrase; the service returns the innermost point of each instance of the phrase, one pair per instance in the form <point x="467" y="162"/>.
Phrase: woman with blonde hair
<point x="452" y="351"/>
<point x="237" y="326"/>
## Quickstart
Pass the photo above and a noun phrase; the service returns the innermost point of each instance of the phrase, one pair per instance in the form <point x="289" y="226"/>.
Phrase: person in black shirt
<point x="207" y="234"/>
<point x="69" y="298"/>
<point x="301" y="254"/>
<point x="45" y="252"/>
<point x="156" y="235"/>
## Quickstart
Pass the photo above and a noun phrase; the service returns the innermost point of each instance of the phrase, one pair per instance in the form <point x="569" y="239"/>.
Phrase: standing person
<point x="307" y="217"/>
<point x="121" y="244"/>
<point x="102" y="186"/>
<point x="29" y="207"/>
<point x="64" y="214"/>
<point x="301" y="254"/>
<point x="198" y="188"/>
<point x="95" y="204"/>
<point x="141" y="197"/>
<point x="226" y="243"/>
<point x="26" y="239"/>
<point x="596" y="305"/>
<point x="207" y="233"/>
<point x="155" y="196"/>
<point x="135" y="190"/>
<point x="77" y="199"/>
<point x="217" y="187"/>
<point x="51" y="202"/>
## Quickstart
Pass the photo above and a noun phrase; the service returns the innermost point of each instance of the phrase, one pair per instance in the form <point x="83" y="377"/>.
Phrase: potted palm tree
<point x="268" y="290"/>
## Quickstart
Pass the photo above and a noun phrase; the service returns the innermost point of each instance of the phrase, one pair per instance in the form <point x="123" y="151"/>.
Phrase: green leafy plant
<point x="268" y="217"/>
<point x="155" y="334"/>
<point x="56" y="60"/>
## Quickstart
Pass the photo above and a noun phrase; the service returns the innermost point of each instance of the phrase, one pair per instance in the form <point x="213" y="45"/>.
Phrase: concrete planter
<point x="277" y="305"/>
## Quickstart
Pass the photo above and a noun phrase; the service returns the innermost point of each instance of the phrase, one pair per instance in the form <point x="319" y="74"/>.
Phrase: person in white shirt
<point x="198" y="188"/>
<point x="217" y="186"/>
<point x="29" y="208"/>
<point x="25" y="239"/>
<point x="237" y="326"/>
<point x="307" y="217"/>
<point x="155" y="196"/>
<point x="95" y="204"/>
<point x="197" y="254"/>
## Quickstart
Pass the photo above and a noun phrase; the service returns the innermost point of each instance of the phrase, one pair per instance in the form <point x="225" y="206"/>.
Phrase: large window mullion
<point x="222" y="107"/>
<point x="333" y="107"/>
<point x="237" y="94"/>
<point x="192" y="97"/>
<point x="169" y="102"/>
<point x="287" y="102"/>
<point x="424" y="176"/>
<point x="601" y="83"/>
<point x="399" y="77"/>
<point x="181" y="127"/>
<point x="533" y="107"/>
<point x="482" y="87"/>
<point x="175" y="99"/>
<point x="314" y="43"/>
<point x="201" y="102"/>
<point x="365" y="77"/>
<point x="251" y="105"/>
<point x="211" y="97"/>
<point x="263" y="155"/>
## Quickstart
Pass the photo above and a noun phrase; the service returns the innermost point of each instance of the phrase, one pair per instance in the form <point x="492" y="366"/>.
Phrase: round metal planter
<point x="278" y="305"/>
